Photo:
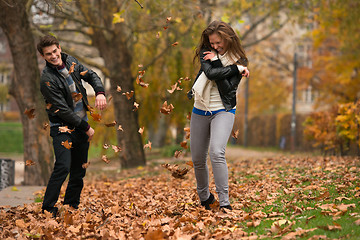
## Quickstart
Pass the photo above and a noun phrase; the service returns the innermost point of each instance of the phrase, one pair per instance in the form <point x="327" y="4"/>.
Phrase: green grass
<point x="11" y="135"/>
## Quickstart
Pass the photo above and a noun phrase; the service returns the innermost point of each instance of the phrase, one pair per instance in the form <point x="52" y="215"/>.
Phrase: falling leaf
<point x="174" y="44"/>
<point x="112" y="124"/>
<point x="71" y="70"/>
<point x="177" y="154"/>
<point x="48" y="83"/>
<point x="117" y="17"/>
<point x="176" y="171"/>
<point x="105" y="159"/>
<point x="235" y="134"/>
<point x="136" y="106"/>
<point x="48" y="106"/>
<point x="45" y="125"/>
<point x="168" y="19"/>
<point x="183" y="144"/>
<point x="96" y="117"/>
<point x="141" y="130"/>
<point x="140" y="65"/>
<point x="118" y="89"/>
<point x="120" y="128"/>
<point x="158" y="35"/>
<point x="190" y="163"/>
<point x="106" y="146"/>
<point x="148" y="145"/>
<point x="64" y="129"/>
<point x="166" y="109"/>
<point x="165" y="27"/>
<point x="187" y="79"/>
<point x="76" y="96"/>
<point x="83" y="73"/>
<point x="129" y="95"/>
<point x="109" y="99"/>
<point x="57" y="110"/>
<point x="29" y="163"/>
<point x="188" y="116"/>
<point x="116" y="148"/>
<point x="85" y="165"/>
<point x="67" y="144"/>
<point x="30" y="113"/>
<point x="174" y="87"/>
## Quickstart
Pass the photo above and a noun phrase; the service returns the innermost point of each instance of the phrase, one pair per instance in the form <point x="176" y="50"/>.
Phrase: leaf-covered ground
<point x="273" y="198"/>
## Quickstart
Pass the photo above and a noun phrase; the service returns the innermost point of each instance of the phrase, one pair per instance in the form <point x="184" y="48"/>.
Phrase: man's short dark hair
<point x="46" y="41"/>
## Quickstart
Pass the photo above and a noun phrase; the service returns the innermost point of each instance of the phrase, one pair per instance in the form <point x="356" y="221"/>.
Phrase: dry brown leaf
<point x="64" y="129"/>
<point x="66" y="144"/>
<point x="235" y="134"/>
<point x="96" y="117"/>
<point x="183" y="144"/>
<point x="166" y="109"/>
<point x="136" y="106"/>
<point x="116" y="148"/>
<point x="47" y="83"/>
<point x="106" y="146"/>
<point x="190" y="163"/>
<point x="85" y="165"/>
<point x="30" y="113"/>
<point x="129" y="94"/>
<point x="141" y="130"/>
<point x="176" y="171"/>
<point x="174" y="44"/>
<point x="29" y="163"/>
<point x="45" y="125"/>
<point x="84" y="73"/>
<point x="112" y="124"/>
<point x="76" y="96"/>
<point x="120" y="128"/>
<point x="148" y="145"/>
<point x="188" y="116"/>
<point x="105" y="159"/>
<point x="118" y="89"/>
<point x="71" y="70"/>
<point x="177" y="154"/>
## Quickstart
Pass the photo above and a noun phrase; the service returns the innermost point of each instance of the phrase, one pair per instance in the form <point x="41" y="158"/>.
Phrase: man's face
<point x="52" y="55"/>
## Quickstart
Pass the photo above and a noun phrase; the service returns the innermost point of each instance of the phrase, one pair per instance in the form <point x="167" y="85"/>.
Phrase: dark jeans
<point x="67" y="161"/>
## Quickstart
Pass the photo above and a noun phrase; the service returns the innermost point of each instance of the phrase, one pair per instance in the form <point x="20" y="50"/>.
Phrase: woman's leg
<point x="199" y="145"/>
<point x="220" y="129"/>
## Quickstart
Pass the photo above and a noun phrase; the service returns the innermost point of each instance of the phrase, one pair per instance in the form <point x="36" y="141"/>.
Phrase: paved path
<point x="18" y="195"/>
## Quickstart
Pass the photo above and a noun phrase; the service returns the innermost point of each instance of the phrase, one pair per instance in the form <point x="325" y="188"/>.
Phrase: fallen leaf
<point x="190" y="163"/>
<point x="177" y="154"/>
<point x="176" y="171"/>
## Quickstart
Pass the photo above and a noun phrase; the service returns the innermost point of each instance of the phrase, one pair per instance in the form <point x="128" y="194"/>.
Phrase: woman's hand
<point x="246" y="72"/>
<point x="208" y="55"/>
<point x="100" y="102"/>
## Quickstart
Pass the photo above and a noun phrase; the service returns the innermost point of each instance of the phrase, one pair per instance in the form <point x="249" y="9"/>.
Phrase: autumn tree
<point x="14" y="21"/>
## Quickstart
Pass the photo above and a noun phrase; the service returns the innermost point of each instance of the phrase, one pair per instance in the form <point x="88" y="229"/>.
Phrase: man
<point x="67" y="104"/>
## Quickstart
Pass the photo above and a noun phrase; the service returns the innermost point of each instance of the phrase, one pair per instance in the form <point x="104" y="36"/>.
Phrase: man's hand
<point x="246" y="72"/>
<point x="100" y="102"/>
<point x="90" y="133"/>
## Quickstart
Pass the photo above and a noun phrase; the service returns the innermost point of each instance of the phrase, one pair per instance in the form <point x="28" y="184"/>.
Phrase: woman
<point x="223" y="63"/>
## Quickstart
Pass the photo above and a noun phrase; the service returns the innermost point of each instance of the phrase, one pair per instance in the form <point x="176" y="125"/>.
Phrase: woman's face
<point x="217" y="43"/>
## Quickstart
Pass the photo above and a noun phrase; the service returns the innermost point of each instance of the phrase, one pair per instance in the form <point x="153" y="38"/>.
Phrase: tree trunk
<point x="26" y="90"/>
<point x="118" y="60"/>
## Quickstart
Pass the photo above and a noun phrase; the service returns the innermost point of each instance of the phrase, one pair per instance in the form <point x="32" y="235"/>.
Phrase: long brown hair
<point x="231" y="39"/>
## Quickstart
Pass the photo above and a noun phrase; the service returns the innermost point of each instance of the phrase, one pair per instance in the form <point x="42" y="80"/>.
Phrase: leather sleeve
<point x="215" y="71"/>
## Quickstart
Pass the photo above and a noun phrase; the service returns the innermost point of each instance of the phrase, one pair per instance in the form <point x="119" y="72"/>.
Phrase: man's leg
<point x="60" y="172"/>
<point x="77" y="172"/>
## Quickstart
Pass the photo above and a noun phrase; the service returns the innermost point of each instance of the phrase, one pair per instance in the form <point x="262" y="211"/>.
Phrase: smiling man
<point x="67" y="103"/>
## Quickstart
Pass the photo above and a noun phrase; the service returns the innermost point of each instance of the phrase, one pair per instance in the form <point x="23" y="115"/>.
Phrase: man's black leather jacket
<point x="55" y="89"/>
<point x="227" y="79"/>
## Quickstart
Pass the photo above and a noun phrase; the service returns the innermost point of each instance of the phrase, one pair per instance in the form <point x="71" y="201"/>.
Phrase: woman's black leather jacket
<point x="227" y="79"/>
<point x="56" y="92"/>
